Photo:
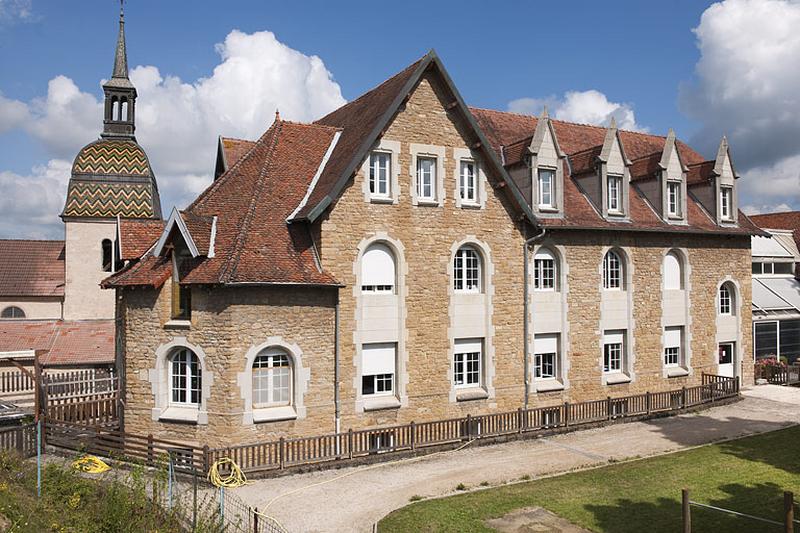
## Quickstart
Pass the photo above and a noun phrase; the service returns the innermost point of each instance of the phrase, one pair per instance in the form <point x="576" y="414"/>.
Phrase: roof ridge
<point x="32" y="240"/>
<point x="238" y="139"/>
<point x="232" y="263"/>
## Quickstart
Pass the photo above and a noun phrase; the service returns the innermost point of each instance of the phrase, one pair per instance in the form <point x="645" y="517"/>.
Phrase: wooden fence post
<point x="206" y="462"/>
<point x="520" y="420"/>
<point x="281" y="453"/>
<point x="255" y="520"/>
<point x="566" y="414"/>
<point x="608" y="407"/>
<point x="469" y="426"/>
<point x="683" y="397"/>
<point x="687" y="512"/>
<point x="350" y="443"/>
<point x="413" y="429"/>
<point x="648" y="402"/>
<point x="788" y="512"/>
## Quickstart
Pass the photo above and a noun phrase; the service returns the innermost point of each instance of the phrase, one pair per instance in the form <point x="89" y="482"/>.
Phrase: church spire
<point x="120" y="94"/>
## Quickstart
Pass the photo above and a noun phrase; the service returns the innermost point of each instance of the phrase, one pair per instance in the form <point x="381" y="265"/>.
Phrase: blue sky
<point x="642" y="57"/>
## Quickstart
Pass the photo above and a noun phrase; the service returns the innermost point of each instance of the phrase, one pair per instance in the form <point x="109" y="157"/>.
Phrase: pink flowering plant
<point x="767" y="366"/>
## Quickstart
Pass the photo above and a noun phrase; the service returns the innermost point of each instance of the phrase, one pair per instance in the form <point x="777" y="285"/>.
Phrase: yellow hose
<point x="235" y="477"/>
<point x="90" y="464"/>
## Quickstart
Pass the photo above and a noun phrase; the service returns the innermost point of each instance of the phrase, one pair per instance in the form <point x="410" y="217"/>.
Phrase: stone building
<point x="369" y="269"/>
<point x="50" y="296"/>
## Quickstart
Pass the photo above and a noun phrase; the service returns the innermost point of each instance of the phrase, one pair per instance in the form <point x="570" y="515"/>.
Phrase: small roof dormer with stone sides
<point x="546" y="162"/>
<point x="713" y="183"/>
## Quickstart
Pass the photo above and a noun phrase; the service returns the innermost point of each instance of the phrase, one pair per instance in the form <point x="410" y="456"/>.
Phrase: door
<point x="726" y="359"/>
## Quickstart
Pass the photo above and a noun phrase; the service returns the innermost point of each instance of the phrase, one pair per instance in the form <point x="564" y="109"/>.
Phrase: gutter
<point x="525" y="326"/>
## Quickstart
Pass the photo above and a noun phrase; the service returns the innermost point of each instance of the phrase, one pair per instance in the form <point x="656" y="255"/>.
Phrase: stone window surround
<point x="738" y="355"/>
<point x="400" y="398"/>
<point x="433" y="151"/>
<point x="684" y="369"/>
<point x="561" y="382"/>
<point x="393" y="148"/>
<point x="734" y="215"/>
<point x="486" y="390"/>
<point x="301" y="377"/>
<point x="680" y="218"/>
<point x="159" y="383"/>
<point x="625" y="186"/>
<point x="465" y="154"/>
<point x="628" y="374"/>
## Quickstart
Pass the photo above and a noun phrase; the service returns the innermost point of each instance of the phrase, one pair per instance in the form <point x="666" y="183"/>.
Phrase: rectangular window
<point x="426" y="178"/>
<point x="181" y="294"/>
<point x="673" y="346"/>
<point x="674" y="198"/>
<point x="380" y="167"/>
<point x="545" y="356"/>
<point x="726" y="203"/>
<point x="766" y="339"/>
<point x="468" y="183"/>
<point x="378" y="369"/>
<point x="613" y="351"/>
<point x="467" y="362"/>
<point x="790" y="340"/>
<point x="547" y="178"/>
<point x="615" y="194"/>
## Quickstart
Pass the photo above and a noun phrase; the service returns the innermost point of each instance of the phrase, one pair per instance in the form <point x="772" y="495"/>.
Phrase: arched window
<point x="185" y="378"/>
<point x="673" y="272"/>
<point x="12" y="312"/>
<point x="727" y="304"/>
<point x="108" y="255"/>
<point x="114" y="108"/>
<point x="272" y="378"/>
<point x="545" y="270"/>
<point x="467" y="270"/>
<point x="123" y="110"/>
<point x="378" y="269"/>
<point x="613" y="271"/>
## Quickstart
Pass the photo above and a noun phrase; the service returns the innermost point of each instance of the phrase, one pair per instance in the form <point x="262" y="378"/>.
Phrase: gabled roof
<point x="31" y="268"/>
<point x="362" y="122"/>
<point x="252" y="242"/>
<point x="65" y="342"/>
<point x="229" y="151"/>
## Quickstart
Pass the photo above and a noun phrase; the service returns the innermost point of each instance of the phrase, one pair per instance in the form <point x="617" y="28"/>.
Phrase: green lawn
<point x="748" y="475"/>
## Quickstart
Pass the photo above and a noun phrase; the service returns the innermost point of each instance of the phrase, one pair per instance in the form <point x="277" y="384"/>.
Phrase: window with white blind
<point x="613" y="351"/>
<point x="272" y="378"/>
<point x="426" y="178"/>
<point x="380" y="172"/>
<point x="615" y="194"/>
<point x="378" y="270"/>
<point x="378" y="364"/>
<point x="545" y="270"/>
<point x="467" y="270"/>
<point x="468" y="182"/>
<point x="546" y="187"/>
<point x="545" y="354"/>
<point x="674" y="198"/>
<point x="467" y="362"/>
<point x="673" y="272"/>
<point x="613" y="271"/>
<point x="673" y="346"/>
<point x="726" y="203"/>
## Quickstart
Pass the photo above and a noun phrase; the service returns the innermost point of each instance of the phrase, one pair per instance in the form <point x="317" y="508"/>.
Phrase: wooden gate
<point x="81" y="397"/>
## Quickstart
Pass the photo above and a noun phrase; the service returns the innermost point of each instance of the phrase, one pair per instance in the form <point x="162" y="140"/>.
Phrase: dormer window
<point x="547" y="180"/>
<point x="615" y="194"/>
<point x="426" y="178"/>
<point x="726" y="203"/>
<point x="674" y="198"/>
<point x="380" y="167"/>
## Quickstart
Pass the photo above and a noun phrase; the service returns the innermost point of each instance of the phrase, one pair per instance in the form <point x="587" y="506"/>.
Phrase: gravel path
<point x="353" y="499"/>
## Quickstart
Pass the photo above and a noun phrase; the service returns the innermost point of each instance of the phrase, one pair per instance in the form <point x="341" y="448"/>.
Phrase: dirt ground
<point x="353" y="499"/>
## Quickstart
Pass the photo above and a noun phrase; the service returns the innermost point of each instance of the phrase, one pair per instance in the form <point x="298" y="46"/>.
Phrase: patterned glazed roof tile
<point x="109" y="199"/>
<point x="65" y="342"/>
<point x="112" y="157"/>
<point x="31" y="268"/>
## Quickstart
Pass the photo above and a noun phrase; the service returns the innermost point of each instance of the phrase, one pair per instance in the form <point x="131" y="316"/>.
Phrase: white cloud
<point x="178" y="122"/>
<point x="585" y="107"/>
<point x="748" y="87"/>
<point x="771" y="187"/>
<point x="12" y="113"/>
<point x="16" y="10"/>
<point x="30" y="205"/>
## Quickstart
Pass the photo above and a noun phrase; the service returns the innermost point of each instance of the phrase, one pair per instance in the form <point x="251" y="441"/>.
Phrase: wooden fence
<point x="81" y="399"/>
<point x="286" y="453"/>
<point x="21" y="439"/>
<point x="785" y="375"/>
<point x="15" y="382"/>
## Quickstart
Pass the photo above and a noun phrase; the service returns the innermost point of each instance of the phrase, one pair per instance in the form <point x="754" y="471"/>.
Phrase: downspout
<point x="525" y="325"/>
<point x="336" y="401"/>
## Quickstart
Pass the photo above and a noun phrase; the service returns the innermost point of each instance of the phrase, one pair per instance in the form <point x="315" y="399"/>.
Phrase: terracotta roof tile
<point x="235" y="149"/>
<point x="66" y="342"/>
<point x="700" y="172"/>
<point x="138" y="236"/>
<point x="31" y="268"/>
<point x="788" y="220"/>
<point x="646" y="167"/>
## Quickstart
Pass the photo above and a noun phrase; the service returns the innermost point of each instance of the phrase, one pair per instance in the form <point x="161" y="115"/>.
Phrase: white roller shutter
<point x="469" y="345"/>
<point x="377" y="266"/>
<point x="672" y="272"/>
<point x="613" y="337"/>
<point x="672" y="337"/>
<point x="544" y="253"/>
<point x="545" y="344"/>
<point x="378" y="359"/>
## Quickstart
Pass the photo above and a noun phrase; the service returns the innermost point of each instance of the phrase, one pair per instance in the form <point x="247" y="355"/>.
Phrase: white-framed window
<point x="545" y="356"/>
<point x="613" y="270"/>
<point x="380" y="174"/>
<point x="185" y="378"/>
<point x="547" y="188"/>
<point x="726" y="303"/>
<point x="673" y="272"/>
<point x="378" y="270"/>
<point x="726" y="203"/>
<point x="426" y="178"/>
<point x="467" y="358"/>
<point x="378" y="364"/>
<point x="467" y="270"/>
<point x="673" y="346"/>
<point x="545" y="270"/>
<point x="272" y="378"/>
<point x="12" y="311"/>
<point x="770" y="268"/>
<point x="674" y="198"/>
<point x="468" y="182"/>
<point x="615" y="194"/>
<point x="613" y="351"/>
